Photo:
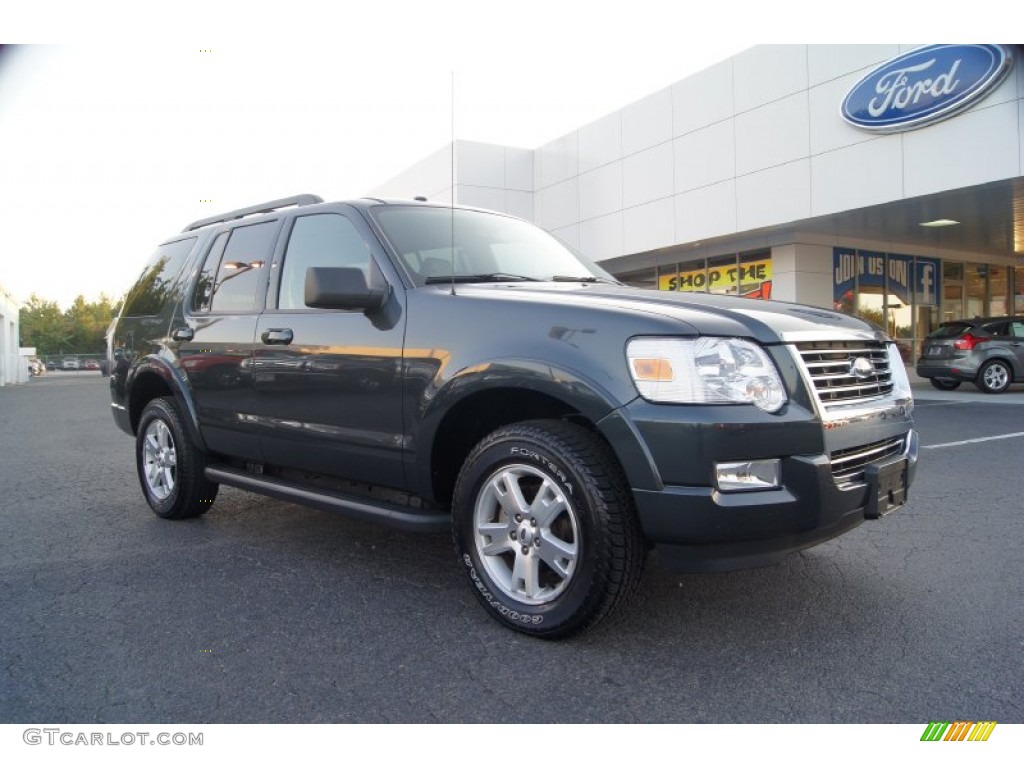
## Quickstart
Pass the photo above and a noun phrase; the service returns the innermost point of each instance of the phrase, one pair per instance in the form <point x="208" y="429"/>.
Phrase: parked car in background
<point x="70" y="363"/>
<point x="91" y="365"/>
<point x="988" y="351"/>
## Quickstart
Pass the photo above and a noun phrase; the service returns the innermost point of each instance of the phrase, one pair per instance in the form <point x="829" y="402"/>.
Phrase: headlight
<point x="705" y="370"/>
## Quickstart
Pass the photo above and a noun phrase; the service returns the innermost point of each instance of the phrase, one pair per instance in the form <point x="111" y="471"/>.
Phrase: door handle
<point x="277" y="336"/>
<point x="184" y="333"/>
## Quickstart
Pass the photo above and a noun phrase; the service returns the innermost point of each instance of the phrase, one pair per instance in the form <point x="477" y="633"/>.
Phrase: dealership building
<point x="877" y="180"/>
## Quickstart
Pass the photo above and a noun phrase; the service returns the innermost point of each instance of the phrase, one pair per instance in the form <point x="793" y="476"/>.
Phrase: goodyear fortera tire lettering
<point x="171" y="469"/>
<point x="545" y="527"/>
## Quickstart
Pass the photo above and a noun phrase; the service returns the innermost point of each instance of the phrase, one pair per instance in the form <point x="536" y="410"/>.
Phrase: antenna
<point x="452" y="251"/>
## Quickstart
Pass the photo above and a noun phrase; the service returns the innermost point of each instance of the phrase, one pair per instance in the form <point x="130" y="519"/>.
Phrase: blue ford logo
<point x="924" y="86"/>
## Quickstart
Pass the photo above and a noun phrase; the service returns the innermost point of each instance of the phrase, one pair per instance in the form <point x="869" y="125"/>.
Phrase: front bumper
<point x="702" y="529"/>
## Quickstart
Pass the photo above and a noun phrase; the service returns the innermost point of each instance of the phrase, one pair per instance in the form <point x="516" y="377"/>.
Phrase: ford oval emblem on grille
<point x="861" y="368"/>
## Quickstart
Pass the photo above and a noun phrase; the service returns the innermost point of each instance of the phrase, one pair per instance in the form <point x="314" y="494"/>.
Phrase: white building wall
<point x="757" y="141"/>
<point x="9" y="339"/>
<point x="486" y="176"/>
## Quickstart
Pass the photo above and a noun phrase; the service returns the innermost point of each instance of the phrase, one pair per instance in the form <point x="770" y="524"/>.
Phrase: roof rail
<point x="273" y="205"/>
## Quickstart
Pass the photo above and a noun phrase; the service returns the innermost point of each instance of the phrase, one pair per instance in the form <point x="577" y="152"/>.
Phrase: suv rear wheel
<point x="171" y="469"/>
<point x="545" y="526"/>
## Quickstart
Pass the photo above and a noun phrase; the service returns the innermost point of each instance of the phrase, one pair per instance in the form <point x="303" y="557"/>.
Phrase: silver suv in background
<point x="986" y="350"/>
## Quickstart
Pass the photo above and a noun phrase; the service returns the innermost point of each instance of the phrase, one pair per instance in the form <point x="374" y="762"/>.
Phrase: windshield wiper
<point x="582" y="279"/>
<point x="487" y="277"/>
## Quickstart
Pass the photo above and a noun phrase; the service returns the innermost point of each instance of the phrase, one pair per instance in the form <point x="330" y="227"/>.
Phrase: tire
<point x="994" y="377"/>
<point x="575" y="553"/>
<point x="946" y="385"/>
<point x="171" y="469"/>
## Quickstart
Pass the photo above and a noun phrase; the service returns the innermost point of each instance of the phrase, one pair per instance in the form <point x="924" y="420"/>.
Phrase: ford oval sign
<point x="924" y="86"/>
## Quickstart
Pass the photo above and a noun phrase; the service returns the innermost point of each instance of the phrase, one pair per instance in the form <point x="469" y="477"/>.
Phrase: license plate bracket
<point x="887" y="487"/>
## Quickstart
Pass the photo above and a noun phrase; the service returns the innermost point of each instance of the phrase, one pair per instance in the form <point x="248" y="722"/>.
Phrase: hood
<point x="769" y="322"/>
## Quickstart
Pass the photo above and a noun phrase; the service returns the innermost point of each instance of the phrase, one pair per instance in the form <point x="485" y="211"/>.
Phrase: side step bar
<point x="353" y="506"/>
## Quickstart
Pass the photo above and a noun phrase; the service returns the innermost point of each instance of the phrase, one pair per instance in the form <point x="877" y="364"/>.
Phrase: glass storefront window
<point x="1018" y="291"/>
<point x="755" y="275"/>
<point x="640" y="278"/>
<point x="693" y="276"/>
<point x="722" y="274"/>
<point x="998" y="291"/>
<point x="975" y="285"/>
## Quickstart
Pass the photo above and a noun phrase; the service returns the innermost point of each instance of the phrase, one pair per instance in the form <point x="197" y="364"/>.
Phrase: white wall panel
<point x="767" y="73"/>
<point x="649" y="226"/>
<point x="647" y="175"/>
<point x="601" y="238"/>
<point x="601" y="191"/>
<point x="854" y="177"/>
<point x="491" y="198"/>
<point x="558" y="160"/>
<point x="705" y="212"/>
<point x="569" y="235"/>
<point x="600" y="142"/>
<point x="705" y="157"/>
<point x="519" y="204"/>
<point x="480" y="165"/>
<point x="774" y="196"/>
<point x="702" y="99"/>
<point x="972" y="148"/>
<point x="826" y="62"/>
<point x="559" y="205"/>
<point x="519" y="169"/>
<point x="647" y="123"/>
<point x="828" y="130"/>
<point x="774" y="134"/>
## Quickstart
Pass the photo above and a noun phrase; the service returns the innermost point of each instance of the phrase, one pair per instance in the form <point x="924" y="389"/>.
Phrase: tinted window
<point x="996" y="329"/>
<point x="204" y="285"/>
<point x="152" y="289"/>
<point x="242" y="268"/>
<point x="321" y="240"/>
<point x="949" y="330"/>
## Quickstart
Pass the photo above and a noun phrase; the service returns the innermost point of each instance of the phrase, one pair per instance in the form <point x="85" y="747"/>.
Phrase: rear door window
<point x="234" y="272"/>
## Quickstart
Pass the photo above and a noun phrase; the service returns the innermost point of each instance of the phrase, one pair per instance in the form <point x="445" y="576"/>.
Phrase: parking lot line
<point x="975" y="440"/>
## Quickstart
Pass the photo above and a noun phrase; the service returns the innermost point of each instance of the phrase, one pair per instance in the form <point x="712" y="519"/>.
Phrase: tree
<point x="80" y="329"/>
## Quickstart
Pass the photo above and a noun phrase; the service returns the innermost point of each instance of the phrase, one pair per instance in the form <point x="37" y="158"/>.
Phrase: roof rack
<point x="273" y="205"/>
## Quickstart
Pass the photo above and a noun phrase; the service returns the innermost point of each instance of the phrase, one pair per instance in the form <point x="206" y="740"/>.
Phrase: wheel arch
<point x="152" y="378"/>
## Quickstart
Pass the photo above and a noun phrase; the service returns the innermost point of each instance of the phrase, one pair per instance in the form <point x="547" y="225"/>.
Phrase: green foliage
<point x="80" y="329"/>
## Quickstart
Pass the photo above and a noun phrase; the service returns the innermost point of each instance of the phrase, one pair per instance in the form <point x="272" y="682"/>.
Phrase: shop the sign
<point x="752" y="279"/>
<point x="924" y="86"/>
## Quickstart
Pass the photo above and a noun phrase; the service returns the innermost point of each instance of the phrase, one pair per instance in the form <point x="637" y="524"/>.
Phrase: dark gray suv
<point x="986" y="350"/>
<point x="449" y="369"/>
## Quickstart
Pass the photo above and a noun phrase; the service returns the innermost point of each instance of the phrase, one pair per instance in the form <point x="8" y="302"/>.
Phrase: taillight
<point x="967" y="342"/>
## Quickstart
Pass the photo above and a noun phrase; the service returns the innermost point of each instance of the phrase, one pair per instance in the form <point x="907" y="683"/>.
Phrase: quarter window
<point x="319" y="240"/>
<point x="151" y="290"/>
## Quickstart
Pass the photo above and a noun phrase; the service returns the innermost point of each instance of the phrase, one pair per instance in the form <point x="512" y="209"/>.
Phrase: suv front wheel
<point x="171" y="469"/>
<point x="545" y="527"/>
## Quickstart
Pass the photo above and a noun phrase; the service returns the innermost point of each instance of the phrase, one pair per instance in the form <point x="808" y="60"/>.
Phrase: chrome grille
<point x="829" y="365"/>
<point x="848" y="464"/>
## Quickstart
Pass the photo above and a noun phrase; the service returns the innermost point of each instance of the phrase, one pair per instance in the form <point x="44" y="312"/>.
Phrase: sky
<point x="122" y="122"/>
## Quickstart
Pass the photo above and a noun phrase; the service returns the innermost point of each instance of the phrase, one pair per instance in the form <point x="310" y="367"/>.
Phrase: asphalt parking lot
<point x="263" y="611"/>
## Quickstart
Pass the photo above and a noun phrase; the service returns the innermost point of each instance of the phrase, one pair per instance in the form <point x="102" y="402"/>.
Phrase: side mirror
<point x="342" y="288"/>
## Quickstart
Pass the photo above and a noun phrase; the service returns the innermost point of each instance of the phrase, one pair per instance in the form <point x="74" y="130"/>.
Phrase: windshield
<point x="488" y="247"/>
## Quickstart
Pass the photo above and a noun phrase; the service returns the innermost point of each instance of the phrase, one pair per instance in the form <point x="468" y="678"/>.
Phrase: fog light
<point x="747" y="475"/>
